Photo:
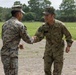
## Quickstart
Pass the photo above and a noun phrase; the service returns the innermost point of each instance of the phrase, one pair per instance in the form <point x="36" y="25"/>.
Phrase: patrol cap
<point x="49" y="10"/>
<point x="17" y="8"/>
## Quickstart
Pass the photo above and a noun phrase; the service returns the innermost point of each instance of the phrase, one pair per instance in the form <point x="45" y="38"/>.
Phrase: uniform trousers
<point x="10" y="65"/>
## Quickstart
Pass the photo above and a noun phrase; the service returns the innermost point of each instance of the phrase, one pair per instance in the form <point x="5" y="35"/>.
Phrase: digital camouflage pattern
<point x="10" y="65"/>
<point x="12" y="32"/>
<point x="54" y="45"/>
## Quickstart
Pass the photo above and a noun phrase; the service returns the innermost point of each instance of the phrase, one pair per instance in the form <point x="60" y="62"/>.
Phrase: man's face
<point x="48" y="17"/>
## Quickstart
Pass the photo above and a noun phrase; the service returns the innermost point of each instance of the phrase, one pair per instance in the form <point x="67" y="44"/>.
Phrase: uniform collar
<point x="14" y="18"/>
<point x="55" y="24"/>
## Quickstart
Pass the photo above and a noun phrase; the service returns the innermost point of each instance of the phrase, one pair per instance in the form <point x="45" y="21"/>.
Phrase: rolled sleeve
<point x="39" y="34"/>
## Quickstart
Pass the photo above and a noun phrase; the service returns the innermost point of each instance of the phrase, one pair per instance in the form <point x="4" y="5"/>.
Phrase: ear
<point x="18" y="14"/>
<point x="53" y="15"/>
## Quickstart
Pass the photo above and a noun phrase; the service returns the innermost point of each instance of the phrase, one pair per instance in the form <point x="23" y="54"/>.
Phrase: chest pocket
<point x="57" y="36"/>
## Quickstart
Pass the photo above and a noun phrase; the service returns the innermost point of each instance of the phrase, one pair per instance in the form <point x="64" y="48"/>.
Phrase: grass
<point x="33" y="26"/>
<point x="72" y="28"/>
<point x="1" y="23"/>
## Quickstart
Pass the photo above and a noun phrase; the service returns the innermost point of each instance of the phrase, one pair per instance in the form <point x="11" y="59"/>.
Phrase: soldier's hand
<point x="67" y="49"/>
<point x="21" y="46"/>
<point x="34" y="38"/>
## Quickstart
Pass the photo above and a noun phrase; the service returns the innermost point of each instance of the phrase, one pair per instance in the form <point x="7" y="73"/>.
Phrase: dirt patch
<point x="31" y="60"/>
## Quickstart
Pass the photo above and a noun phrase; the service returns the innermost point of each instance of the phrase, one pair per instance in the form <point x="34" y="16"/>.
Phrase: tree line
<point x="34" y="9"/>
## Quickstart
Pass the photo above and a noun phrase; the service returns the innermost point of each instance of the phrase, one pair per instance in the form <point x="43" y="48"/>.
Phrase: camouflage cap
<point x="49" y="10"/>
<point x="17" y="8"/>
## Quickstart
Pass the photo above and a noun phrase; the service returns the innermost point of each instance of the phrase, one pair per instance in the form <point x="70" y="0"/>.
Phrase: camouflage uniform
<point x="12" y="31"/>
<point x="54" y="45"/>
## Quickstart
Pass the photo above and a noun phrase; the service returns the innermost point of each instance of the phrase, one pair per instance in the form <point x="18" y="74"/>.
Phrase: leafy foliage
<point x="68" y="10"/>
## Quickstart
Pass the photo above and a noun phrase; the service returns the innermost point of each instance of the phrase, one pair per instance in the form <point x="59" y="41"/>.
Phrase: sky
<point x="9" y="3"/>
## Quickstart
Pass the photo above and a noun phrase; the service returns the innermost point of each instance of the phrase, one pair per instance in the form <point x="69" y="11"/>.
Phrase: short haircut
<point x="14" y="12"/>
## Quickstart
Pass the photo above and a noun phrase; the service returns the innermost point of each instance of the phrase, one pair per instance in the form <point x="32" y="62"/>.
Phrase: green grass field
<point x="33" y="26"/>
<point x="72" y="28"/>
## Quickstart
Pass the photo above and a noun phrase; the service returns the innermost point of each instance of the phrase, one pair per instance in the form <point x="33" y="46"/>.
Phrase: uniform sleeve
<point x="39" y="34"/>
<point x="24" y="35"/>
<point x="2" y="33"/>
<point x="67" y="36"/>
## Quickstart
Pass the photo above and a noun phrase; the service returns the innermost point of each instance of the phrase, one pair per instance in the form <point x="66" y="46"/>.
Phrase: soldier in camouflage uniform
<point x="53" y="31"/>
<point x="12" y="32"/>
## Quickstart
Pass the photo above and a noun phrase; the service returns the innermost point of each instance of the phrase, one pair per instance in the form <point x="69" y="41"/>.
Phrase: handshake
<point x="33" y="41"/>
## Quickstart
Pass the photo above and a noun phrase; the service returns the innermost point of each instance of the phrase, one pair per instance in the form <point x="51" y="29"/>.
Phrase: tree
<point x="1" y="13"/>
<point x="25" y="8"/>
<point x="8" y="14"/>
<point x="37" y="6"/>
<point x="45" y="3"/>
<point x="30" y="16"/>
<point x="67" y="9"/>
<point x="4" y="13"/>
